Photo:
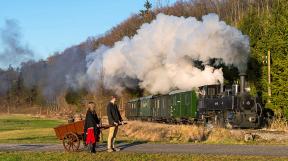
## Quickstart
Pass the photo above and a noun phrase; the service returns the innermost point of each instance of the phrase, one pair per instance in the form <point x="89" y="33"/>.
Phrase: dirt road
<point x="266" y="150"/>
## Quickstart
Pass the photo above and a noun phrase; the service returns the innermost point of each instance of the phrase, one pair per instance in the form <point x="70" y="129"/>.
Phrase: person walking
<point x="114" y="119"/>
<point x="91" y="128"/>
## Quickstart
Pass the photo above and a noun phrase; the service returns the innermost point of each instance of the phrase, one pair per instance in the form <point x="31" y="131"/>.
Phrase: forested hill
<point x="52" y="81"/>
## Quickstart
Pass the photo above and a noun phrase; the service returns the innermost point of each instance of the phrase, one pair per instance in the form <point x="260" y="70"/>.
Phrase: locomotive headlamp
<point x="252" y="119"/>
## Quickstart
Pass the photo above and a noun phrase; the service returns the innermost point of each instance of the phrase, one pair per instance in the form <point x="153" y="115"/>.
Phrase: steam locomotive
<point x="217" y="104"/>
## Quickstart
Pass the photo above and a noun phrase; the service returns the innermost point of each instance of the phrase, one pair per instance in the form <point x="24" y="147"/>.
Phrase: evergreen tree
<point x="147" y="13"/>
<point x="269" y="31"/>
<point x="148" y="7"/>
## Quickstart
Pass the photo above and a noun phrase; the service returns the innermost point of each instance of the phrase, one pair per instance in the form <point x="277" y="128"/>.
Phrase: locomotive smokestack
<point x="242" y="82"/>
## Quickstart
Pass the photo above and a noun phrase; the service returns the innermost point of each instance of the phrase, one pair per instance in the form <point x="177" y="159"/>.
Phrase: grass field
<point x="121" y="156"/>
<point x="27" y="129"/>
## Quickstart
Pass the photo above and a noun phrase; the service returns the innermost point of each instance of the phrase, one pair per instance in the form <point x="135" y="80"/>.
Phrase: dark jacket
<point x="113" y="113"/>
<point x="91" y="120"/>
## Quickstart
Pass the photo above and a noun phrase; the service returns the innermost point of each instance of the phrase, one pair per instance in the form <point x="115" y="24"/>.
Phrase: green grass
<point x="19" y="128"/>
<point x="122" y="156"/>
<point x="26" y="129"/>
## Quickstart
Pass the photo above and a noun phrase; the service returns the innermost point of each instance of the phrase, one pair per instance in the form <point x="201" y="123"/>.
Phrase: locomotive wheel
<point x="71" y="142"/>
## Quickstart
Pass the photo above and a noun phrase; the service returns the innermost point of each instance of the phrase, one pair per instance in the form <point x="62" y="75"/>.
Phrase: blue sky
<point x="52" y="25"/>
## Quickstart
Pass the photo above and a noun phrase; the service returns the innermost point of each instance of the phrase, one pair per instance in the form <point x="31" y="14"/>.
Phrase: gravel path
<point x="266" y="150"/>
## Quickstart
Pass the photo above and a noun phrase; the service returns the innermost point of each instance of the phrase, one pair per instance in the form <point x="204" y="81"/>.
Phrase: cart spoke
<point x="74" y="147"/>
<point x="71" y="142"/>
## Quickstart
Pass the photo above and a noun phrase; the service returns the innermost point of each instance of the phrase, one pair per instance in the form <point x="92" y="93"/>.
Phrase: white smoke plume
<point x="159" y="58"/>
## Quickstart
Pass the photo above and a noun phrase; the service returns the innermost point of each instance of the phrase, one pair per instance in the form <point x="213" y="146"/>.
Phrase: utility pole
<point x="269" y="77"/>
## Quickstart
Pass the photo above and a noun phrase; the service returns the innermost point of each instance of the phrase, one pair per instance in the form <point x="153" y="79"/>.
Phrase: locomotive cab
<point x="210" y="90"/>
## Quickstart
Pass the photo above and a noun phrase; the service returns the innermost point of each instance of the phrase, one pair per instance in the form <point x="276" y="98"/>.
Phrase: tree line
<point x="264" y="21"/>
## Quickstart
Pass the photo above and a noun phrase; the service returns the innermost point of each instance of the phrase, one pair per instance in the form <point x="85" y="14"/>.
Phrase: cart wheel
<point x="71" y="142"/>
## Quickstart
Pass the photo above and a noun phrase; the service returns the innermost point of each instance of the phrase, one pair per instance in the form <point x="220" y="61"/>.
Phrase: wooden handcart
<point x="71" y="134"/>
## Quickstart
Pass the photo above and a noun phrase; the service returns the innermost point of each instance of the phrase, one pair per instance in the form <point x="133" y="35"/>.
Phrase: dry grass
<point x="279" y="122"/>
<point x="156" y="132"/>
<point x="148" y="131"/>
<point x="225" y="136"/>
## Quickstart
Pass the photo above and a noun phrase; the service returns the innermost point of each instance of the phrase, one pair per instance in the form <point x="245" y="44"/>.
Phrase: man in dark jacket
<point x="114" y="119"/>
<point x="91" y="127"/>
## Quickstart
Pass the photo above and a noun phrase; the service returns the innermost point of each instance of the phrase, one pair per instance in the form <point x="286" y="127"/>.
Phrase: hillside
<point x="54" y="83"/>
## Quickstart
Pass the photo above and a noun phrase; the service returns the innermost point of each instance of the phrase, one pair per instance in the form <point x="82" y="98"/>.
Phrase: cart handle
<point x="108" y="126"/>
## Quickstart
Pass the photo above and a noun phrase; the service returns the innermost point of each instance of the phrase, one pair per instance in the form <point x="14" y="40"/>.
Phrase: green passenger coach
<point x="183" y="105"/>
<point x="175" y="106"/>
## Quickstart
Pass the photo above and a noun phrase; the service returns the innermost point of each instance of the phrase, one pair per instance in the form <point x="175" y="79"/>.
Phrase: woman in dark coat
<point x="91" y="127"/>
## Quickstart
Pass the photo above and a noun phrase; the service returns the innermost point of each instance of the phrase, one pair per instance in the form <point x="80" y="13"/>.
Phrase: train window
<point x="145" y="103"/>
<point x="211" y="91"/>
<point x="158" y="104"/>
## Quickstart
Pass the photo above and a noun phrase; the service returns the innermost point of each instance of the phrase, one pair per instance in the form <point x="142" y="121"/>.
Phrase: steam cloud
<point x="159" y="58"/>
<point x="13" y="52"/>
